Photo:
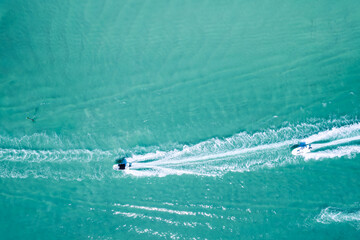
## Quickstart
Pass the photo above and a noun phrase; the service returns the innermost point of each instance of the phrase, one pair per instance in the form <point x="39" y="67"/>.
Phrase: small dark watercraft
<point x="121" y="164"/>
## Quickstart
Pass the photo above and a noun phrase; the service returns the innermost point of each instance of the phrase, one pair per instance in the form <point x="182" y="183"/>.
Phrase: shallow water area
<point x="205" y="99"/>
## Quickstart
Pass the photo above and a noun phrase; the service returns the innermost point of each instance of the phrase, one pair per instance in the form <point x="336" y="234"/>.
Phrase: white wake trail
<point x="335" y="133"/>
<point x="216" y="156"/>
<point x="335" y="142"/>
<point x="244" y="152"/>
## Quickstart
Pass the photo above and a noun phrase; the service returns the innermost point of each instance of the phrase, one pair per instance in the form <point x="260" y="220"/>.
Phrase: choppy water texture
<point x="205" y="98"/>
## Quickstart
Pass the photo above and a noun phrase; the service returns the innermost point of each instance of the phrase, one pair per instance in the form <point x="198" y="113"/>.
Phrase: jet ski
<point x="121" y="164"/>
<point x="301" y="148"/>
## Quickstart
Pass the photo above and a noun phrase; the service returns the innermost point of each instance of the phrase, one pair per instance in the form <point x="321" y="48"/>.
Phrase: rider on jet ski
<point x="121" y="164"/>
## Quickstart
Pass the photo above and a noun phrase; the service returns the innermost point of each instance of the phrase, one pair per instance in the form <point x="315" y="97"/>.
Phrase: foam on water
<point x="214" y="157"/>
<point x="173" y="216"/>
<point x="335" y="142"/>
<point x="81" y="155"/>
<point x="157" y="209"/>
<point x="336" y="133"/>
<point x="246" y="152"/>
<point x="347" y="151"/>
<point x="335" y="215"/>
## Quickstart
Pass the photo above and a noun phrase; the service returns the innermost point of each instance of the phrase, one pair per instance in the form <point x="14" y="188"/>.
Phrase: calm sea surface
<point x="205" y="98"/>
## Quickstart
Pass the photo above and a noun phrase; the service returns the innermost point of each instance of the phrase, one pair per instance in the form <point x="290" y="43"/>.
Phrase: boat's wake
<point x="331" y="215"/>
<point x="209" y="164"/>
<point x="244" y="152"/>
<point x="214" y="157"/>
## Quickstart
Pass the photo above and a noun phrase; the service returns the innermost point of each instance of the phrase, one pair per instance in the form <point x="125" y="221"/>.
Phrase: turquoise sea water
<point x="206" y="99"/>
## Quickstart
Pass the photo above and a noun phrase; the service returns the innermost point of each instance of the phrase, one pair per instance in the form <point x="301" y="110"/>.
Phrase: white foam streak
<point x="158" y="209"/>
<point x="220" y="156"/>
<point x="29" y="155"/>
<point x="143" y="216"/>
<point x="336" y="142"/>
<point x="214" y="157"/>
<point x="348" y="151"/>
<point x="335" y="132"/>
<point x="334" y="215"/>
<point x="244" y="152"/>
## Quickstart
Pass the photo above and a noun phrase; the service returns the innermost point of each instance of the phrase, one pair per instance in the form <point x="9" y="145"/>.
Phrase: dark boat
<point x="121" y="164"/>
